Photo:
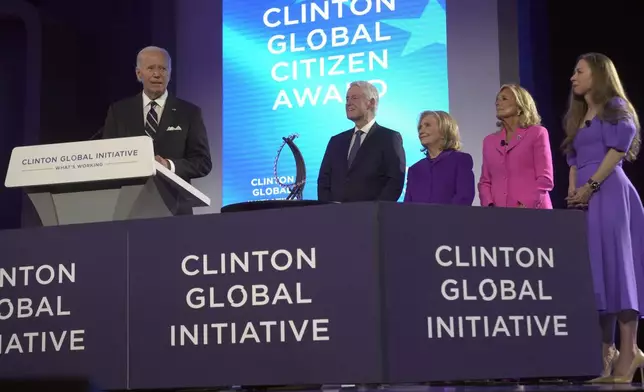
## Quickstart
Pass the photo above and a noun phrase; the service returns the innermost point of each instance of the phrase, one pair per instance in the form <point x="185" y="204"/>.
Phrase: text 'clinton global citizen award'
<point x="319" y="39"/>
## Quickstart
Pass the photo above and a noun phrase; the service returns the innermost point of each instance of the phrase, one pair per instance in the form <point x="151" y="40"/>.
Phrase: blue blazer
<point x="377" y="173"/>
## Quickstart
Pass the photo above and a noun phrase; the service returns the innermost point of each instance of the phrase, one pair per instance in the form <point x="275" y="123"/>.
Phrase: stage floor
<point x="548" y="386"/>
<point x="520" y="388"/>
<point x="492" y="386"/>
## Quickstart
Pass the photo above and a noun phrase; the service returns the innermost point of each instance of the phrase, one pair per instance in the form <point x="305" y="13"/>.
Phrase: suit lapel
<point x="517" y="139"/>
<point x="440" y="157"/>
<point x="136" y="122"/>
<point x="374" y="127"/>
<point x="500" y="138"/>
<point x="167" y="118"/>
<point x="346" y="145"/>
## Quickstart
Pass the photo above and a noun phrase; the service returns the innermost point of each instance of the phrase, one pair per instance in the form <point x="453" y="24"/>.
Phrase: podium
<point x="98" y="181"/>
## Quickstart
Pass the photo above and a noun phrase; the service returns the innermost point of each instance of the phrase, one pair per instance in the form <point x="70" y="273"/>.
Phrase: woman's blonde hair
<point x="448" y="127"/>
<point x="528" y="114"/>
<point x="606" y="86"/>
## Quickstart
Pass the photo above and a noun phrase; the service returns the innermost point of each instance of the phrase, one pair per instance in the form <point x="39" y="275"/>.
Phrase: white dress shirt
<point x="159" y="111"/>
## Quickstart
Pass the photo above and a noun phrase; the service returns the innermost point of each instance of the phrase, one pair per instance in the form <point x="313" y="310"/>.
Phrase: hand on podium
<point x="163" y="161"/>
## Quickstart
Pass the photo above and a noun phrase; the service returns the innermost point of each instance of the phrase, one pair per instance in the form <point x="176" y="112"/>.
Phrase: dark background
<point x="563" y="30"/>
<point x="89" y="56"/>
<point x="12" y="40"/>
<point x="88" y="60"/>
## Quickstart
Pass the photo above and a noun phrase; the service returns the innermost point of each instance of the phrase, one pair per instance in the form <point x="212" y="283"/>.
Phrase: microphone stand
<point x="99" y="132"/>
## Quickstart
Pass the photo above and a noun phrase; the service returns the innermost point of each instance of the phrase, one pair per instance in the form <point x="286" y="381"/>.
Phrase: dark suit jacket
<point x="377" y="173"/>
<point x="188" y="148"/>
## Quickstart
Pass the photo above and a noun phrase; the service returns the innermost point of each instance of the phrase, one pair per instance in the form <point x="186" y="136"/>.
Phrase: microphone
<point x="587" y="122"/>
<point x="99" y="132"/>
<point x="503" y="143"/>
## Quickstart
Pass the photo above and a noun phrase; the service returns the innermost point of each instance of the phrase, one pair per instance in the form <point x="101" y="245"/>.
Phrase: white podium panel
<point x="100" y="180"/>
<point x="77" y="162"/>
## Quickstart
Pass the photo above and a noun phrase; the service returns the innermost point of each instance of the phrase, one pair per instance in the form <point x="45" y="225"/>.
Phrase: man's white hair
<point x="153" y="49"/>
<point x="370" y="91"/>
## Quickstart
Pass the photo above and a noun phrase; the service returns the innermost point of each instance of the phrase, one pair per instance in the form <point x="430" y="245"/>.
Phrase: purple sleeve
<point x="620" y="135"/>
<point x="571" y="158"/>
<point x="408" y="188"/>
<point x="464" y="181"/>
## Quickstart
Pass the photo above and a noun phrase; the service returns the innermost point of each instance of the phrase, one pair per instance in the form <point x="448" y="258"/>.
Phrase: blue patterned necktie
<point x="152" y="120"/>
<point x="355" y="147"/>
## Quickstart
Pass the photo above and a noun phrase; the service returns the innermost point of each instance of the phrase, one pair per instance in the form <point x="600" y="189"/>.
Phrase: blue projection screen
<point x="286" y="68"/>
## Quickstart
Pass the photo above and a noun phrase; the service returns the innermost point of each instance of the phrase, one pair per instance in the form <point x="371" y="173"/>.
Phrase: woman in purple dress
<point x="602" y="129"/>
<point x="446" y="176"/>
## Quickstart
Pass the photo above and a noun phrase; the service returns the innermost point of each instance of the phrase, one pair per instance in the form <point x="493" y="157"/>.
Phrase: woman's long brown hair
<point x="606" y="86"/>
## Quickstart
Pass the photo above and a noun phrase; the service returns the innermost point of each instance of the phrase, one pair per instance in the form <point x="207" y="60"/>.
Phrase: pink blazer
<point x="519" y="172"/>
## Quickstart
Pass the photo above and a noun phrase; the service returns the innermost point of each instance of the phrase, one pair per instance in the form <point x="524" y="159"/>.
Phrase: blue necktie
<point x="355" y="147"/>
<point x="152" y="120"/>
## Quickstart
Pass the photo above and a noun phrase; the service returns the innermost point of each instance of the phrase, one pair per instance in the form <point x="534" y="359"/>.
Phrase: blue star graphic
<point x="429" y="29"/>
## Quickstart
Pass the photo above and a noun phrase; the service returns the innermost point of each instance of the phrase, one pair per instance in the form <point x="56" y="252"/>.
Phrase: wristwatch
<point x="594" y="185"/>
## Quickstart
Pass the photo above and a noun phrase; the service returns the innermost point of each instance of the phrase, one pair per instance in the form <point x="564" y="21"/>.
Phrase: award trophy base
<point x="271" y="204"/>
<point x="296" y="189"/>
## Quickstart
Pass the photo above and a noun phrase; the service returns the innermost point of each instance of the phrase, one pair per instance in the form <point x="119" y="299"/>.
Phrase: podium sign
<point x="480" y="293"/>
<point x="63" y="304"/>
<point x="356" y="293"/>
<point x="98" y="181"/>
<point x="242" y="304"/>
<point x="78" y="162"/>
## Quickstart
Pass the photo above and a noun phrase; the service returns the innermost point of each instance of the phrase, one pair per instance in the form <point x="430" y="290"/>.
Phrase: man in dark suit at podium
<point x="366" y="162"/>
<point x="175" y="125"/>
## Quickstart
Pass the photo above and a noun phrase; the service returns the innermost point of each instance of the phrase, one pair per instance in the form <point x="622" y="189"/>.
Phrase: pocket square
<point x="177" y="128"/>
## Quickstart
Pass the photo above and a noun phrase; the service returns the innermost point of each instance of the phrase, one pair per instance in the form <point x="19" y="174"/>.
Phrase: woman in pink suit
<point x="517" y="160"/>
